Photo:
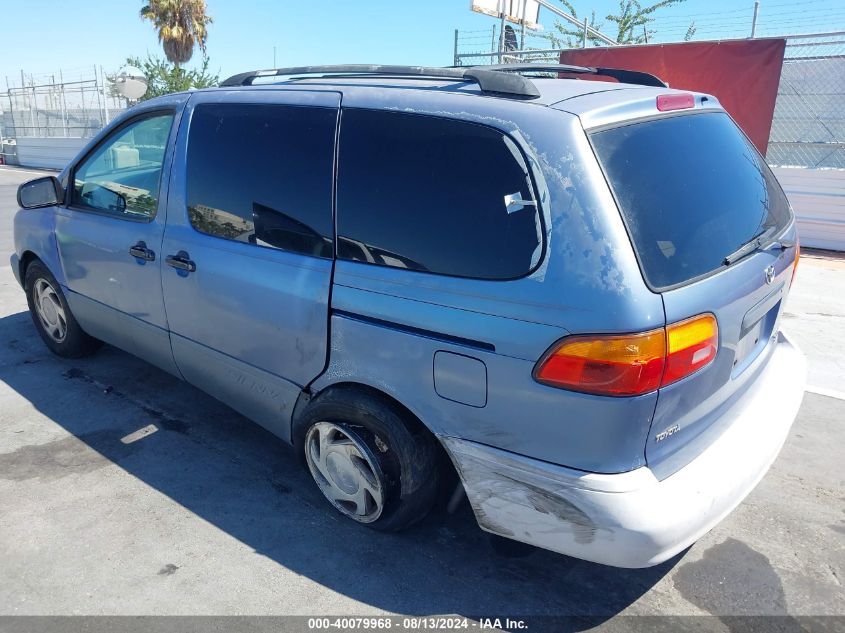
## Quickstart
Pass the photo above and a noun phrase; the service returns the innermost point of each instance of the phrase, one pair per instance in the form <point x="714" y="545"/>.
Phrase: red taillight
<point x="630" y="364"/>
<point x="675" y="102"/>
<point x="617" y="365"/>
<point x="795" y="263"/>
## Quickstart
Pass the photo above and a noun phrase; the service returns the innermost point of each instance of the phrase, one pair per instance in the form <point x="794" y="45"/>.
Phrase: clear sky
<point x="44" y="36"/>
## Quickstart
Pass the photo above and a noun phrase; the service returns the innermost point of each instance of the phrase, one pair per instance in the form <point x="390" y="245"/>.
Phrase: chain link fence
<point x="808" y="129"/>
<point x="70" y="103"/>
<point x="56" y="112"/>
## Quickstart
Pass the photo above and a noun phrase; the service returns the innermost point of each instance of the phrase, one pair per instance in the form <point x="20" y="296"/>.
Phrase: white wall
<point x="818" y="198"/>
<point x="52" y="152"/>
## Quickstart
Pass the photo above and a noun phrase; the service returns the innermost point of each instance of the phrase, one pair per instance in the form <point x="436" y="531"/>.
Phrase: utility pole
<point x="274" y="56"/>
<point x="754" y="19"/>
<point x="584" y="37"/>
<point x="455" y="62"/>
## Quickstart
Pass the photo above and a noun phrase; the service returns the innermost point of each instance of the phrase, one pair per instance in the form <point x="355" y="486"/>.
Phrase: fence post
<point x="105" y="98"/>
<point x="501" y="6"/>
<point x="11" y="107"/>
<point x="63" y="102"/>
<point x="522" y="25"/>
<point x="99" y="103"/>
<point x="754" y="19"/>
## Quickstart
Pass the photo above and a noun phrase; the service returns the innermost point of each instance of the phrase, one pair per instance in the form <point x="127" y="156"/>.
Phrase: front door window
<point x="121" y="177"/>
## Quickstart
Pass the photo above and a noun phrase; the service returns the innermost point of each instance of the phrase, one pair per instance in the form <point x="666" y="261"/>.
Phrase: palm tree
<point x="181" y="25"/>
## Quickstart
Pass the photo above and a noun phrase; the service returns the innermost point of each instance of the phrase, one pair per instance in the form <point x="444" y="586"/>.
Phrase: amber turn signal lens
<point x="691" y="344"/>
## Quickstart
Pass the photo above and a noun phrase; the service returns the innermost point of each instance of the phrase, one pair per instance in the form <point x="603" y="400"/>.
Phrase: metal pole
<point x="274" y="57"/>
<point x="31" y="110"/>
<point x="501" y="30"/>
<point x="105" y="98"/>
<point x="11" y="107"/>
<point x="584" y="38"/>
<point x="522" y="26"/>
<point x="97" y="92"/>
<point x="455" y="58"/>
<point x="573" y="20"/>
<point x="754" y="19"/>
<point x="493" y="41"/>
<point x="63" y="102"/>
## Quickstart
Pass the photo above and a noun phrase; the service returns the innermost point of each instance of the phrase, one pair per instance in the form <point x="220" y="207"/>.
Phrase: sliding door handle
<point x="181" y="261"/>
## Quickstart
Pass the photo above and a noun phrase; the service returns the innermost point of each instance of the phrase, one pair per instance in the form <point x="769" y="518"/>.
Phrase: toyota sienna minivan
<point x="573" y="288"/>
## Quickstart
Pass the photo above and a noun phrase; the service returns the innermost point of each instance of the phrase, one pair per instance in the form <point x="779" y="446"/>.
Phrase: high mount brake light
<point x="665" y="103"/>
<point x="630" y="364"/>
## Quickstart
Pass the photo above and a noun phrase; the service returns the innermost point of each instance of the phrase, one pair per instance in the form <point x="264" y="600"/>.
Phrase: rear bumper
<point x="632" y="519"/>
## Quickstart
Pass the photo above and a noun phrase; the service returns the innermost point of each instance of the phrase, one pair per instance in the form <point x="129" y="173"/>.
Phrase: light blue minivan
<point x="566" y="291"/>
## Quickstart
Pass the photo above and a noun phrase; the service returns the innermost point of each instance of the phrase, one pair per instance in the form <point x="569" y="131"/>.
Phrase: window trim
<point x="540" y="207"/>
<point x="628" y="230"/>
<point x="333" y="255"/>
<point x="149" y="114"/>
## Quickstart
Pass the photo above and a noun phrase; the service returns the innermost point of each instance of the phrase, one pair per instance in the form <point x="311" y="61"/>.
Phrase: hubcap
<point x="49" y="309"/>
<point x="345" y="471"/>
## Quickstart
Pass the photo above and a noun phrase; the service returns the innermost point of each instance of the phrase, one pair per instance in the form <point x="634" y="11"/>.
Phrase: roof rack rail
<point x="487" y="80"/>
<point x="621" y="75"/>
<point x="501" y="79"/>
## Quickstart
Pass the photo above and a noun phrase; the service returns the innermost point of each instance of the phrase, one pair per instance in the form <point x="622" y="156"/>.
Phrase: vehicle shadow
<point x="244" y="481"/>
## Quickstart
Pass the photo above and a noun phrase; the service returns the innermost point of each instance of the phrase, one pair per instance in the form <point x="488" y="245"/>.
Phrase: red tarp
<point x="742" y="74"/>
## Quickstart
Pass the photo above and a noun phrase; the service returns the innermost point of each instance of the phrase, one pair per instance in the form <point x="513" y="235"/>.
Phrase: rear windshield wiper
<point x="754" y="244"/>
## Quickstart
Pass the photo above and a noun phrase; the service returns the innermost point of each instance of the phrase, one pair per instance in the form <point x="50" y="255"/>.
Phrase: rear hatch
<point x="713" y="233"/>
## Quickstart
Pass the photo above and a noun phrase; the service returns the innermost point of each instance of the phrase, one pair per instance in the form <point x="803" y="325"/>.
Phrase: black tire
<point x="405" y="451"/>
<point x="75" y="343"/>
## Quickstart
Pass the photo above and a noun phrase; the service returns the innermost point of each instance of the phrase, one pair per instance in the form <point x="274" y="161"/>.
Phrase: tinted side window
<point x="432" y="194"/>
<point x="262" y="174"/>
<point x="121" y="177"/>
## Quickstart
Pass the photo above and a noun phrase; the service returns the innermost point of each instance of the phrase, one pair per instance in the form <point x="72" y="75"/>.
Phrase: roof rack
<point x="502" y="79"/>
<point x="487" y="80"/>
<point x="619" y="74"/>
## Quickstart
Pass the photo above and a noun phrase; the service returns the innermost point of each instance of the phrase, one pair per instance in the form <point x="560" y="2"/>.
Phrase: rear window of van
<point x="691" y="189"/>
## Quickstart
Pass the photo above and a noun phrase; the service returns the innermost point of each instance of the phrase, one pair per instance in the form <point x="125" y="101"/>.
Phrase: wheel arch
<point x="306" y="396"/>
<point x="27" y="257"/>
<point x="34" y="234"/>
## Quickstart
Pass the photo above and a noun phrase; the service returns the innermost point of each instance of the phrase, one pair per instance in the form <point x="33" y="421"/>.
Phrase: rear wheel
<point x="52" y="316"/>
<point x="370" y="458"/>
<point x="345" y="470"/>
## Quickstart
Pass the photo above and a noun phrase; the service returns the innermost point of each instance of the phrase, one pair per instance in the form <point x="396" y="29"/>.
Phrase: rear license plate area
<point x="757" y="329"/>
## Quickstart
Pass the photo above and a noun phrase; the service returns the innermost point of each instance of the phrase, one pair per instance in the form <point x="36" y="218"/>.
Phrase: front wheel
<point x="52" y="316"/>
<point x="370" y="458"/>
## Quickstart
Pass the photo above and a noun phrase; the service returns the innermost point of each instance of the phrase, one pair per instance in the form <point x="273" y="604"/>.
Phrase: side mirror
<point x="41" y="192"/>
